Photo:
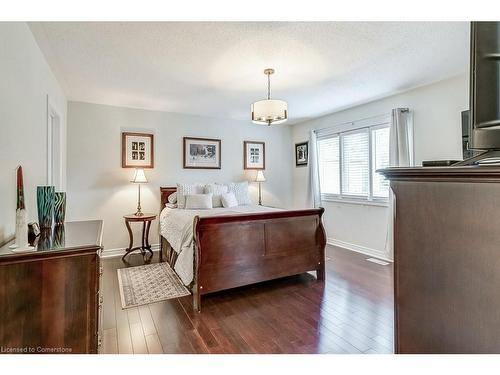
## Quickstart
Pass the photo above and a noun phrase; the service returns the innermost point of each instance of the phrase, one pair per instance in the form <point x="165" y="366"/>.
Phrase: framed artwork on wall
<point x="137" y="150"/>
<point x="301" y="154"/>
<point x="202" y="153"/>
<point x="254" y="155"/>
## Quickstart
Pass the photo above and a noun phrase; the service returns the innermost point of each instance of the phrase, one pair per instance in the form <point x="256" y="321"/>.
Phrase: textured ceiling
<point x="215" y="68"/>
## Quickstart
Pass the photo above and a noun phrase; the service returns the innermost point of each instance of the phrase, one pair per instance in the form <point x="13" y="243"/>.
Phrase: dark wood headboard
<point x="165" y="192"/>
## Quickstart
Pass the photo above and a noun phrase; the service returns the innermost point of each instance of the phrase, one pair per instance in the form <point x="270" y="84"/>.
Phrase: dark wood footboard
<point x="237" y="250"/>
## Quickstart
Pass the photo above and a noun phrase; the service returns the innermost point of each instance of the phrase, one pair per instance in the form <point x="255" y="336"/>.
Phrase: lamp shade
<point x="269" y="111"/>
<point x="139" y="176"/>
<point x="260" y="177"/>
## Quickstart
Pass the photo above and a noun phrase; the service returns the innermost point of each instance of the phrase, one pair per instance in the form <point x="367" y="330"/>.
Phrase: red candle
<point x="20" y="188"/>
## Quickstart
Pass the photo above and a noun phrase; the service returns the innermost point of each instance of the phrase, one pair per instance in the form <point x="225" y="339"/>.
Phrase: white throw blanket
<point x="176" y="226"/>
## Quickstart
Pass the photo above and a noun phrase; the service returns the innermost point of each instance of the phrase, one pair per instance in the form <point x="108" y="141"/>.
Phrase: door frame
<point x="54" y="133"/>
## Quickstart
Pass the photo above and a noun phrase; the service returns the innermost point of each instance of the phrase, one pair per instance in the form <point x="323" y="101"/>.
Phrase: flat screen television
<point x="484" y="119"/>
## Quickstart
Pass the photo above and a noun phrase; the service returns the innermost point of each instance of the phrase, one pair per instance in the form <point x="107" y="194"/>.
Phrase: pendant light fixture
<point x="269" y="111"/>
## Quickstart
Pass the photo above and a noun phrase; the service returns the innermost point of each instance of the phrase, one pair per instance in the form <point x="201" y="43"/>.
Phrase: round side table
<point x="146" y="220"/>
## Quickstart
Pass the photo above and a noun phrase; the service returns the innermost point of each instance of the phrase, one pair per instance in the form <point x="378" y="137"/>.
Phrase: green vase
<point x="45" y="196"/>
<point x="59" y="208"/>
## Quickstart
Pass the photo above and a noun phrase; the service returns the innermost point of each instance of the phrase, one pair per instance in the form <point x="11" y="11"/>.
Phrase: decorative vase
<point x="45" y="239"/>
<point x="59" y="237"/>
<point x="45" y="203"/>
<point x="59" y="208"/>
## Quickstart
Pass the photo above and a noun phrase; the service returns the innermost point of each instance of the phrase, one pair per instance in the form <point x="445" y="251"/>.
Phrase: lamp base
<point x="260" y="194"/>
<point x="139" y="213"/>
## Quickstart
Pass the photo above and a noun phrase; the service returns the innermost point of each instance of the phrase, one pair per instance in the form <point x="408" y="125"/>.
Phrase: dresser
<point x="447" y="259"/>
<point x="49" y="298"/>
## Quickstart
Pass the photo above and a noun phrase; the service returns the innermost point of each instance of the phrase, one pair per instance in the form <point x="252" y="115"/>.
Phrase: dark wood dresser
<point x="49" y="298"/>
<point x="447" y="259"/>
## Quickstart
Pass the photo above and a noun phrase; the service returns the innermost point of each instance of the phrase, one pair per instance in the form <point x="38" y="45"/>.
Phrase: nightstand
<point x="146" y="220"/>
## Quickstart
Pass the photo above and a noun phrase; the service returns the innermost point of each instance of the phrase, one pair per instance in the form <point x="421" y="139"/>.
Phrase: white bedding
<point x="176" y="226"/>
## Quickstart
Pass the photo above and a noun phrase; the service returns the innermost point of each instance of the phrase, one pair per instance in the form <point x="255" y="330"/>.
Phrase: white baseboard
<point x="359" y="249"/>
<point x="118" y="252"/>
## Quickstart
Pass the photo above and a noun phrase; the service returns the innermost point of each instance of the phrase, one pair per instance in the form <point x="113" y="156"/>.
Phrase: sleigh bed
<point x="232" y="250"/>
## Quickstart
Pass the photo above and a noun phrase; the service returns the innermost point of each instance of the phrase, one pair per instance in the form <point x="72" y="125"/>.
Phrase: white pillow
<point x="172" y="198"/>
<point x="170" y="205"/>
<point x="185" y="189"/>
<point x="216" y="190"/>
<point x="229" y="200"/>
<point x="198" y="201"/>
<point x="240" y="190"/>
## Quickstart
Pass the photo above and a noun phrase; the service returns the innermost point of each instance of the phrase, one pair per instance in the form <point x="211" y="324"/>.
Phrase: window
<point x="329" y="168"/>
<point x="348" y="160"/>
<point x="355" y="163"/>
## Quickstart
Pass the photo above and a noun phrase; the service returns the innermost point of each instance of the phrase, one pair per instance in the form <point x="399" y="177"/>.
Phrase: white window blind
<point x="348" y="160"/>
<point x="329" y="168"/>
<point x="355" y="163"/>
<point x="380" y="148"/>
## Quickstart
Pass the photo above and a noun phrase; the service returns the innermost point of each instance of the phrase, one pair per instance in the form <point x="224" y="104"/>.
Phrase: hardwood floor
<point x="351" y="312"/>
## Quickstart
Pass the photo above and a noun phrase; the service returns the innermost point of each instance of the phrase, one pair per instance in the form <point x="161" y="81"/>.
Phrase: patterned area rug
<point x="148" y="284"/>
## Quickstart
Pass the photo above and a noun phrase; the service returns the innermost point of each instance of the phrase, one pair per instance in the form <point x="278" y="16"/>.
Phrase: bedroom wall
<point x="98" y="188"/>
<point x="25" y="82"/>
<point x="437" y="135"/>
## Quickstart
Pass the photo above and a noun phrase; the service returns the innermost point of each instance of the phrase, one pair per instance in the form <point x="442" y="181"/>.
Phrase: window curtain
<point x="313" y="193"/>
<point x="401" y="138"/>
<point x="400" y="155"/>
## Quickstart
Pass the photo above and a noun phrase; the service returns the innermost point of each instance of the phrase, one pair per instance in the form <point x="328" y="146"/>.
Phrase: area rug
<point x="149" y="284"/>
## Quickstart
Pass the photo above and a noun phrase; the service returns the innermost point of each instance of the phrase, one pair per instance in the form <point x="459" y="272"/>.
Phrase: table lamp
<point x="260" y="179"/>
<point x="139" y="178"/>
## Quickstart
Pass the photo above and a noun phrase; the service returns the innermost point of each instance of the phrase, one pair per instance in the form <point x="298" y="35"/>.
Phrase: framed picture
<point x="254" y="155"/>
<point x="137" y="150"/>
<point x="202" y="153"/>
<point x="301" y="153"/>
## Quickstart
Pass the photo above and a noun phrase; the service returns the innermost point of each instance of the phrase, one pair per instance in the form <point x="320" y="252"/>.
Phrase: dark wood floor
<point x="352" y="312"/>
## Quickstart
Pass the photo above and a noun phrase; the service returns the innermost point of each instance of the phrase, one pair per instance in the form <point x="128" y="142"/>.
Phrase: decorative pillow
<point x="172" y="198"/>
<point x="171" y="205"/>
<point x="198" y="201"/>
<point x="185" y="189"/>
<point x="240" y="190"/>
<point x="229" y="200"/>
<point x="216" y="190"/>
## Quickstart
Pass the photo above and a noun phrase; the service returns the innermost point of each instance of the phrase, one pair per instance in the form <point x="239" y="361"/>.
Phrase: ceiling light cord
<point x="268" y="86"/>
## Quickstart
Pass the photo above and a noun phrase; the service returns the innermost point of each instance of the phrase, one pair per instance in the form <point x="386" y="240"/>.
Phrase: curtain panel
<point x="313" y="193"/>
<point x="401" y="154"/>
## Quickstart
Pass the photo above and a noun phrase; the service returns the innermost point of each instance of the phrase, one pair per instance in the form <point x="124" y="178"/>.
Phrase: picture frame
<point x="254" y="155"/>
<point x="137" y="150"/>
<point x="201" y="153"/>
<point x="301" y="154"/>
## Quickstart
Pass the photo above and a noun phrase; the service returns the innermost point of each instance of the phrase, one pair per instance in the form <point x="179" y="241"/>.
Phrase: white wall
<point x="25" y="82"/>
<point x="437" y="134"/>
<point x="99" y="188"/>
